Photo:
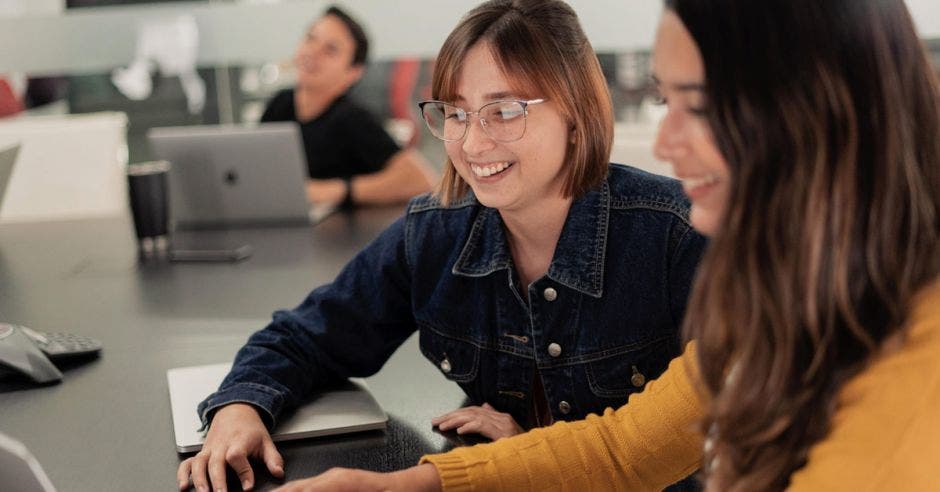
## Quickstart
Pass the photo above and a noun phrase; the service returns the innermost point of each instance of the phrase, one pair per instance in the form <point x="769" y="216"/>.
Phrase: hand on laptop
<point x="236" y="434"/>
<point x="484" y="420"/>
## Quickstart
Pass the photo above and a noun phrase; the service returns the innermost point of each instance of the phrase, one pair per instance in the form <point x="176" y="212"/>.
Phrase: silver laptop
<point x="19" y="470"/>
<point x="7" y="158"/>
<point x="231" y="176"/>
<point x="350" y="408"/>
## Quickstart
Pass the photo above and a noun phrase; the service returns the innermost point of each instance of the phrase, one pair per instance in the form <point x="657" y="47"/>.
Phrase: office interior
<point x="64" y="57"/>
<point x="68" y="257"/>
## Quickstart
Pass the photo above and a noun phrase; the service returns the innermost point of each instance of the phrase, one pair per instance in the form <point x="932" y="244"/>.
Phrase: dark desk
<point x="107" y="426"/>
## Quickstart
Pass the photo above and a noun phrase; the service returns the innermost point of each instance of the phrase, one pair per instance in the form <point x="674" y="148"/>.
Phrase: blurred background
<point x="151" y="63"/>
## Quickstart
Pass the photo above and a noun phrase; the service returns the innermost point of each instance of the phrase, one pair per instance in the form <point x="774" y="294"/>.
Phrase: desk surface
<point x="108" y="426"/>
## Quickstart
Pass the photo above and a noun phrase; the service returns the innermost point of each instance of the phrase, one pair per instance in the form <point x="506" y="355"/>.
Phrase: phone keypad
<point x="61" y="345"/>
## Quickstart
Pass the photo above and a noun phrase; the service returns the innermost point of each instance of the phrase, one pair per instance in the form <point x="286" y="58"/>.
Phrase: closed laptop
<point x="343" y="409"/>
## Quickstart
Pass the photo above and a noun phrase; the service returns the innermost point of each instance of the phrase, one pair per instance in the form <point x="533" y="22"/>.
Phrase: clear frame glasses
<point x="503" y="121"/>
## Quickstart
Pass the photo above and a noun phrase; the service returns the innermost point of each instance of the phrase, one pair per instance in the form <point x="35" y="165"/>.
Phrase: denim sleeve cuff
<point x="266" y="400"/>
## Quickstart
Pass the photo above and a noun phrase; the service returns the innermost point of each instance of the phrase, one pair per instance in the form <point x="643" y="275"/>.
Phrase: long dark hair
<point x="827" y="114"/>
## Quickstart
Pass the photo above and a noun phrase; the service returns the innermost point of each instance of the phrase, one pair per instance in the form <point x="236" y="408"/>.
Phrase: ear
<point x="354" y="73"/>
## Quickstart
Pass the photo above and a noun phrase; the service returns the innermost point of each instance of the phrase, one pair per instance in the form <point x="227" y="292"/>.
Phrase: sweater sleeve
<point x="647" y="444"/>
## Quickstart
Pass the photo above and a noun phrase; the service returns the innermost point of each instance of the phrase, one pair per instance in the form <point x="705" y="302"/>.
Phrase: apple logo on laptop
<point x="231" y="177"/>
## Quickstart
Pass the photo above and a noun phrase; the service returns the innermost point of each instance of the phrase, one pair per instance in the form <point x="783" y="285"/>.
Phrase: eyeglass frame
<point x="525" y="103"/>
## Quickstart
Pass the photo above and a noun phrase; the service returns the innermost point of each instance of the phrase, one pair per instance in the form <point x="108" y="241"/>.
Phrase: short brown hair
<point x="540" y="46"/>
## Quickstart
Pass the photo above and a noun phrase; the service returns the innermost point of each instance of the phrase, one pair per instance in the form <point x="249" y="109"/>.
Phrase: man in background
<point x="350" y="157"/>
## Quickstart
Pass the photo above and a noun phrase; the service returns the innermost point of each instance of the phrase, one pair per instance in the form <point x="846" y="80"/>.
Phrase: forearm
<point x="268" y="372"/>
<point x="421" y="478"/>
<point x="648" y="444"/>
<point x="347" y="328"/>
<point x="406" y="175"/>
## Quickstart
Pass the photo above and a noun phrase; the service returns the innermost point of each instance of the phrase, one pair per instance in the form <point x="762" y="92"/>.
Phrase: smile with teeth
<point x="490" y="169"/>
<point x="700" y="181"/>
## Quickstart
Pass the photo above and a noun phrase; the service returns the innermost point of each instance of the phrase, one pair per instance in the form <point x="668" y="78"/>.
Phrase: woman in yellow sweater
<point x="807" y="135"/>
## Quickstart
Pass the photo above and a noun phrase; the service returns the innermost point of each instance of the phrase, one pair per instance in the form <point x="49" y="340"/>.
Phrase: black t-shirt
<point x="344" y="141"/>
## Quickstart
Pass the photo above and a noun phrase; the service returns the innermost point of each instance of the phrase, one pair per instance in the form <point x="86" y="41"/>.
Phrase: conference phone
<point x="32" y="352"/>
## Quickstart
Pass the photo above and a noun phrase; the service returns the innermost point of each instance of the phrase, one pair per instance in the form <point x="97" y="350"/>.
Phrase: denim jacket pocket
<point x="458" y="360"/>
<point x="617" y="376"/>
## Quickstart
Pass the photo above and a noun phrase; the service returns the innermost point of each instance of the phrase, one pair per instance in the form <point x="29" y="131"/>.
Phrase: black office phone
<point x="32" y="352"/>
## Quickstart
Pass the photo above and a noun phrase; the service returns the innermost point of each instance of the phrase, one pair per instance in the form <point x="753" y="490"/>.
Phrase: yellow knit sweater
<point x="885" y="433"/>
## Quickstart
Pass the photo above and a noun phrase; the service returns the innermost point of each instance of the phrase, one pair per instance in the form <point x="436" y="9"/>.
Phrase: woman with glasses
<point x="807" y="135"/>
<point x="544" y="281"/>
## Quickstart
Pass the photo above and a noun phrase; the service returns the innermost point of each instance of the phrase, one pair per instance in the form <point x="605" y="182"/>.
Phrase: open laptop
<point x="7" y="158"/>
<point x="231" y="176"/>
<point x="19" y="470"/>
<point x="349" y="408"/>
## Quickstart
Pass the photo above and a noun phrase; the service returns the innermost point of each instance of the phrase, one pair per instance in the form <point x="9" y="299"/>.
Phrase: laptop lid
<point x="19" y="470"/>
<point x="229" y="176"/>
<point x="7" y="158"/>
<point x="349" y="408"/>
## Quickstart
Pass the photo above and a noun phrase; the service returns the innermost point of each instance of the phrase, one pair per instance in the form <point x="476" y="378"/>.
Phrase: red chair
<point x="9" y="104"/>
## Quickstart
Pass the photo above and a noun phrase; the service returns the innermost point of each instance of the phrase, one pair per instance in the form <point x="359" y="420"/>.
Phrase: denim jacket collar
<point x="579" y="255"/>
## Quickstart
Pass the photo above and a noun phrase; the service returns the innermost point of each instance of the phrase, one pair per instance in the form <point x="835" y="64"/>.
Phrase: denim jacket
<point x="597" y="326"/>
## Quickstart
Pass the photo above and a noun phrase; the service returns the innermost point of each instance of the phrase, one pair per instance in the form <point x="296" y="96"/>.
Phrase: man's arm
<point x="406" y="175"/>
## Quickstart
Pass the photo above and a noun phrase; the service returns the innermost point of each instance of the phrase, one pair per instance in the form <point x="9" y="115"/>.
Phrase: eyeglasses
<point x="503" y="121"/>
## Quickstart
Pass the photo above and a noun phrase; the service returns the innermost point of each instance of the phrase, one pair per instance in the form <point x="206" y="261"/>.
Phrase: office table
<point x="107" y="425"/>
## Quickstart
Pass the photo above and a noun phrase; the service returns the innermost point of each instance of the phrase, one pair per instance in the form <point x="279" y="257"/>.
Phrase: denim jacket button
<point x="550" y="294"/>
<point x="554" y="349"/>
<point x="445" y="366"/>
<point x="564" y="407"/>
<point x="638" y="379"/>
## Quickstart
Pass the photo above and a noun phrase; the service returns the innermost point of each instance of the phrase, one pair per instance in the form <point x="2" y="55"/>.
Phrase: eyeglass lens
<point x="503" y="121"/>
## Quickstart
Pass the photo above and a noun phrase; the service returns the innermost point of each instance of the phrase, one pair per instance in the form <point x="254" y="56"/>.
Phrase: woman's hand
<point x="236" y="434"/>
<point x="421" y="478"/>
<point x="484" y="420"/>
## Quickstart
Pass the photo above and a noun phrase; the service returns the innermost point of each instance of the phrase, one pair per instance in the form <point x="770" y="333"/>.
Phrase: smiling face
<point x="324" y="58"/>
<point x="512" y="176"/>
<point x="685" y="139"/>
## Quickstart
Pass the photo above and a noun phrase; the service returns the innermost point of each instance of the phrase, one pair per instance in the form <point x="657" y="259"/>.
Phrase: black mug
<point x="148" y="190"/>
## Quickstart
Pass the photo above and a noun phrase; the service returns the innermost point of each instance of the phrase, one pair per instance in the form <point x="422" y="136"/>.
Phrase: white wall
<point x="612" y="25"/>
<point x="926" y="14"/>
<point x="19" y="8"/>
<point x="68" y="167"/>
<point x="99" y="39"/>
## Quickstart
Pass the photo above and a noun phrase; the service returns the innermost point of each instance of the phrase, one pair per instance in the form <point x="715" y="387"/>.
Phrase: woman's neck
<point x="533" y="235"/>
